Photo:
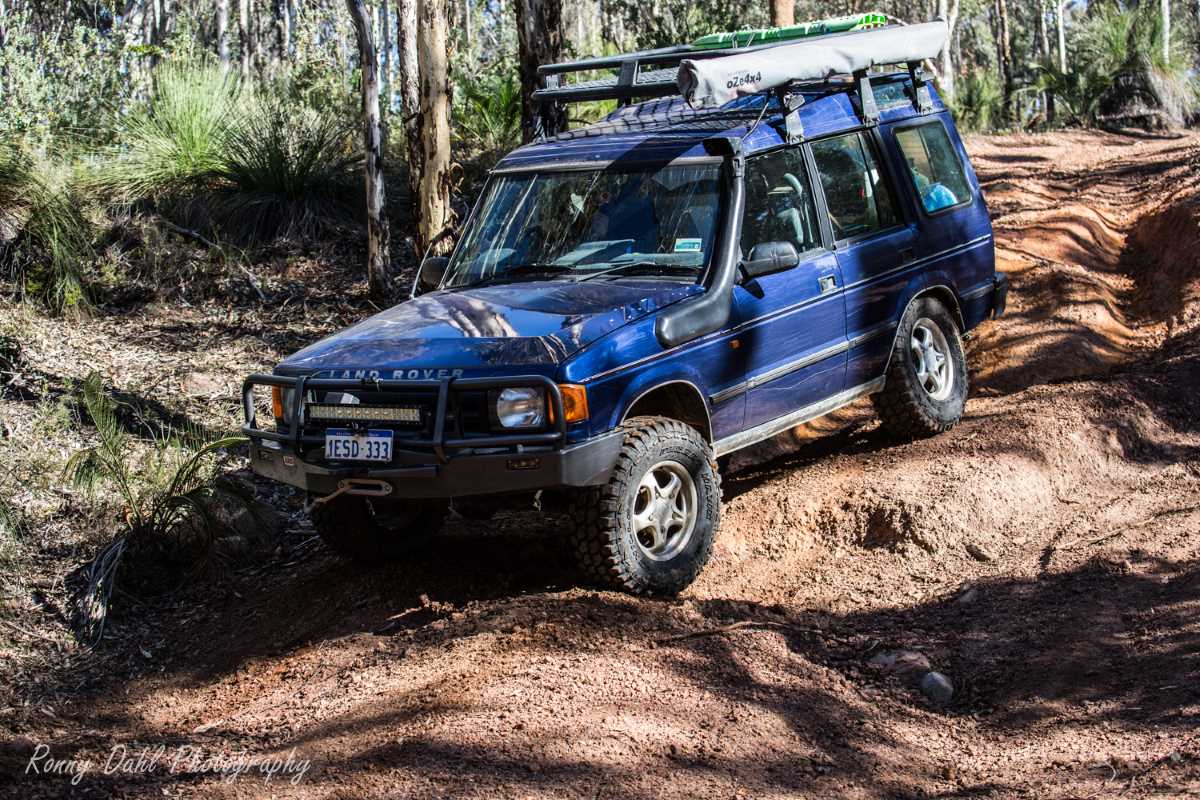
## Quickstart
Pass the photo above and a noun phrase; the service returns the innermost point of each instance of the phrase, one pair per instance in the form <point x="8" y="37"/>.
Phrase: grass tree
<point x="252" y="166"/>
<point x="45" y="240"/>
<point x="170" y="499"/>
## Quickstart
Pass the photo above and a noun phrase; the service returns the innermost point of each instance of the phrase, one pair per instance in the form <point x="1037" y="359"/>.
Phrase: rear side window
<point x="933" y="165"/>
<point x="857" y="193"/>
<point x="779" y="203"/>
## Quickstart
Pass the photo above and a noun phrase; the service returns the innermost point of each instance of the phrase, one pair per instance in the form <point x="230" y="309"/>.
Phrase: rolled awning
<point x="716" y="81"/>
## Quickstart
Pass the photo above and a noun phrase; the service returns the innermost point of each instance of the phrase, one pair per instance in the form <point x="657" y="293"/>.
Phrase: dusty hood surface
<point x="509" y="325"/>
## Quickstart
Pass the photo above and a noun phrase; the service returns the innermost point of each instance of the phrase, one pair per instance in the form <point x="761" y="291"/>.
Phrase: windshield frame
<point x="702" y="275"/>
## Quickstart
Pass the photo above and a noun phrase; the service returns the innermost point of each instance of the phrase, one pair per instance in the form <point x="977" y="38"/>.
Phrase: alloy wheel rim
<point x="931" y="358"/>
<point x="663" y="513"/>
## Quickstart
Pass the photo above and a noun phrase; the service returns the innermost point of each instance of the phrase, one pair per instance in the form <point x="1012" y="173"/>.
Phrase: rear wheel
<point x="651" y="528"/>
<point x="369" y="529"/>
<point x="926" y="389"/>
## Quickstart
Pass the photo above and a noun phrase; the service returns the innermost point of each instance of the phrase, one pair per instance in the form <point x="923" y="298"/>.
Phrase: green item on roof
<point x="853" y="22"/>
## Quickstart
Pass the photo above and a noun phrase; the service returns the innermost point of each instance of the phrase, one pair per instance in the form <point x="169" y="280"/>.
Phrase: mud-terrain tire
<point x="650" y="529"/>
<point x="926" y="387"/>
<point x="371" y="530"/>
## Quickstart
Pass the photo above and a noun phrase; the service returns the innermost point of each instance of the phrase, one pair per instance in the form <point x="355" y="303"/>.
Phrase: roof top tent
<point x="721" y="67"/>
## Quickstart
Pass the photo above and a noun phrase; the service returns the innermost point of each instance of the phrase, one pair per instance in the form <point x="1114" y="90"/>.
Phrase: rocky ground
<point x="1009" y="610"/>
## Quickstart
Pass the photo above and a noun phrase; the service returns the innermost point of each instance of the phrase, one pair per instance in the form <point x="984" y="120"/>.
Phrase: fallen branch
<point x="34" y="634"/>
<point x="1174" y="757"/>
<point x="199" y="237"/>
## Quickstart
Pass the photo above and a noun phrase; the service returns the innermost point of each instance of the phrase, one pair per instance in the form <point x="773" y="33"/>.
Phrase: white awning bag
<point x="716" y="81"/>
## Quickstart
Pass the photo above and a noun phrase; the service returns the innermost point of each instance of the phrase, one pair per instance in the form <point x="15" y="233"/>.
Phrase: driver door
<point x="792" y="323"/>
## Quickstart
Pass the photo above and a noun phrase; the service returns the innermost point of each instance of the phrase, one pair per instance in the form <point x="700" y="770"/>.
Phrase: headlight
<point x="523" y="407"/>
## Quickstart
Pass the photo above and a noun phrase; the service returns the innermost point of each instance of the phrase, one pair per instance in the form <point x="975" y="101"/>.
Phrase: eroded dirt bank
<point x="1043" y="556"/>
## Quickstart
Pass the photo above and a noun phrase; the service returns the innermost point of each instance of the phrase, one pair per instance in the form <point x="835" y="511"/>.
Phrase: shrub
<point x="490" y="118"/>
<point x="246" y="164"/>
<point x="179" y="142"/>
<point x="1125" y="76"/>
<point x="978" y="101"/>
<point x="45" y="241"/>
<point x="170" y="506"/>
<point x="286" y="171"/>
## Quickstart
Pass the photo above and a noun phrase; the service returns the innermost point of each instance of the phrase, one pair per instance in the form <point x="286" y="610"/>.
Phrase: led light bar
<point x="408" y="414"/>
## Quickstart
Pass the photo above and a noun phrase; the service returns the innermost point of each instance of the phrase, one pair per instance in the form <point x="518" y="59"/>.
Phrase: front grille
<point x="410" y="414"/>
<point x="442" y="417"/>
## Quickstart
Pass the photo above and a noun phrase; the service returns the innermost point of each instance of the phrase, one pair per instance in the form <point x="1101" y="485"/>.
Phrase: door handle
<point x="827" y="283"/>
<point x="907" y="255"/>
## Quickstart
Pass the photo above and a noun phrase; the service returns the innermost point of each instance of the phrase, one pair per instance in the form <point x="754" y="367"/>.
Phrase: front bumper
<point x="440" y="465"/>
<point x="413" y="476"/>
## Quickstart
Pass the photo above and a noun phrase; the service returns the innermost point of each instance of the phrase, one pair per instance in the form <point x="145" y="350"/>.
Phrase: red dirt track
<point x="1043" y="555"/>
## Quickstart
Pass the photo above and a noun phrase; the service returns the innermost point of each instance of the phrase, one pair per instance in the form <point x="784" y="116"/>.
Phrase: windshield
<point x="602" y="223"/>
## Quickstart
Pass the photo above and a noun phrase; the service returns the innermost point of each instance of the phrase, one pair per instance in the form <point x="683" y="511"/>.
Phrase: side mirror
<point x="429" y="276"/>
<point x="770" y="257"/>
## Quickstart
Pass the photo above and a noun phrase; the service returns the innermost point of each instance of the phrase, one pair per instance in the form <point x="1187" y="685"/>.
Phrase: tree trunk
<point x="410" y="101"/>
<point x="291" y="19"/>
<point x="1062" y="39"/>
<point x="540" y="38"/>
<point x="467" y="29"/>
<point x="378" y="250"/>
<point x="947" y="11"/>
<point x="258" y="35"/>
<point x="433" y="122"/>
<point x="282" y="33"/>
<point x="1044" y="55"/>
<point x="223" y="33"/>
<point x="783" y="12"/>
<point x="1004" y="58"/>
<point x="385" y="44"/>
<point x="244" y="35"/>
<point x="1166" y="21"/>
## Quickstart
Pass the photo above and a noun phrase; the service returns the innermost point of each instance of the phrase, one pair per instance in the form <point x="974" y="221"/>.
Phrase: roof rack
<point x="631" y="82"/>
<point x="650" y="74"/>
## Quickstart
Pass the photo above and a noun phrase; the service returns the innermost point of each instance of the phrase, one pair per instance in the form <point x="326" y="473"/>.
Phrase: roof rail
<point x="650" y="74"/>
<point x="632" y="81"/>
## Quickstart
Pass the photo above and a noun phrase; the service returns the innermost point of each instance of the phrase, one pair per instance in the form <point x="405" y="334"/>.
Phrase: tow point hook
<point x="366" y="487"/>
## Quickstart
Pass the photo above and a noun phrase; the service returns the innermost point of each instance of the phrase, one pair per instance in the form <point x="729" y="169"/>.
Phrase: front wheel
<point x="370" y="530"/>
<point x="650" y="529"/>
<point x="926" y="389"/>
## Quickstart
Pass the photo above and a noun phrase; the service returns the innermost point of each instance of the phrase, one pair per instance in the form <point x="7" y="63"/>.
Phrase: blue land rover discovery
<point x="631" y="300"/>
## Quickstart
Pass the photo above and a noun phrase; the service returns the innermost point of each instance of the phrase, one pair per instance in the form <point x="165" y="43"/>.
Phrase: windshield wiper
<point x="645" y="267"/>
<point x="516" y="273"/>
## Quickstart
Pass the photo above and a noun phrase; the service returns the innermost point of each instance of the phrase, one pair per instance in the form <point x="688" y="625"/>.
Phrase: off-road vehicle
<point x="764" y="230"/>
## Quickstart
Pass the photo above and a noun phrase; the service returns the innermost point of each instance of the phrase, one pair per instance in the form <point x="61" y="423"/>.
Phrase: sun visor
<point x="716" y="81"/>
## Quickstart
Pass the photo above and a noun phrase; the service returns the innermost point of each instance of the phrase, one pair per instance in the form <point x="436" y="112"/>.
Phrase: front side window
<point x="857" y="193"/>
<point x="936" y="172"/>
<point x="581" y="223"/>
<point x="779" y="203"/>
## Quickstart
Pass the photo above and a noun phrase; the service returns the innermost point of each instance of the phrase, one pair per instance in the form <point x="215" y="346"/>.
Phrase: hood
<point x="525" y="324"/>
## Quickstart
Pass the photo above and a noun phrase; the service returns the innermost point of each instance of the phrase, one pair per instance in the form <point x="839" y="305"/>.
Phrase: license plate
<point x="346" y="445"/>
